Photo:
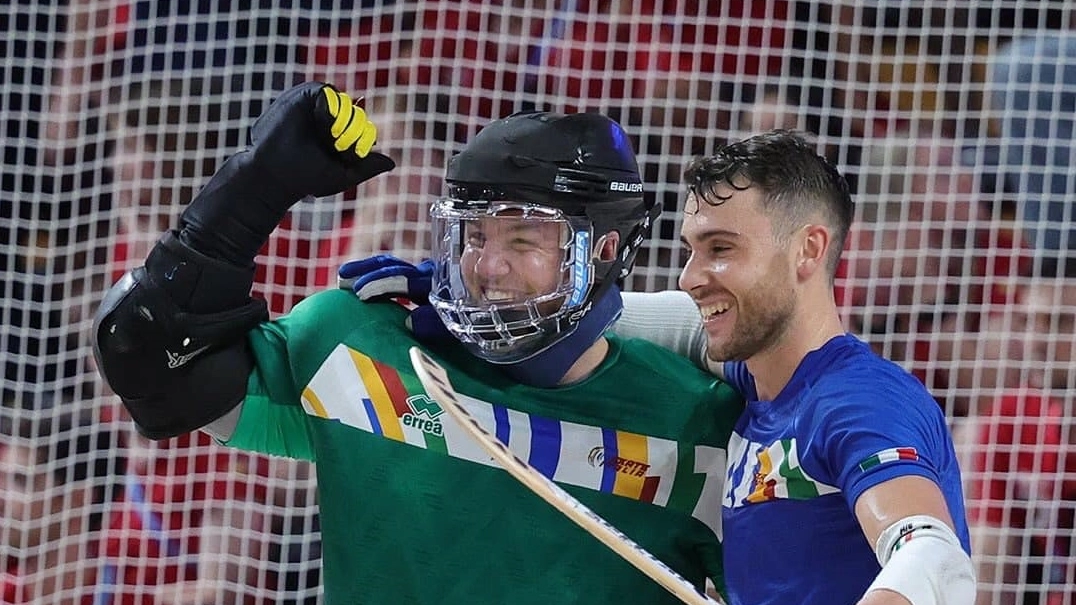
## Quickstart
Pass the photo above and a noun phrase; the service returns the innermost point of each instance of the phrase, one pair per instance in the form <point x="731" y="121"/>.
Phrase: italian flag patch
<point x="890" y="455"/>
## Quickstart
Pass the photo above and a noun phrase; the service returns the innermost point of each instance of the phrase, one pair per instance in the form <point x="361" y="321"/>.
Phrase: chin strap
<point x="547" y="368"/>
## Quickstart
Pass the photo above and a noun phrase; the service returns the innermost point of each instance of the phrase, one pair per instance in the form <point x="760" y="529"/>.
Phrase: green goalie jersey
<point x="414" y="512"/>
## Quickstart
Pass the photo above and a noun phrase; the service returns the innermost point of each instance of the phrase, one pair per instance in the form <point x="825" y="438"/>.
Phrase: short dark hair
<point x="794" y="179"/>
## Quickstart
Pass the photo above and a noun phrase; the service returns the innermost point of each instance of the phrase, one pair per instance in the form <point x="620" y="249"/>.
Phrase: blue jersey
<point x="845" y="422"/>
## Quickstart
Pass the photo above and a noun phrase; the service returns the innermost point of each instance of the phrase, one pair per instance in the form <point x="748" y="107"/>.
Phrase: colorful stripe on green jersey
<point x="769" y="472"/>
<point x="363" y="393"/>
<point x="892" y="454"/>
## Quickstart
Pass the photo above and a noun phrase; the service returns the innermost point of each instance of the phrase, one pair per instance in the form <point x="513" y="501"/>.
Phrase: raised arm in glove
<point x="169" y="336"/>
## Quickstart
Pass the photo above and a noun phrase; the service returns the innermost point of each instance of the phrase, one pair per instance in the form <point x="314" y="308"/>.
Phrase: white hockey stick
<point x="435" y="380"/>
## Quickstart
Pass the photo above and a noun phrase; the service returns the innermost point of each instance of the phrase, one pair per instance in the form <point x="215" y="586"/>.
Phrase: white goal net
<point x="953" y="121"/>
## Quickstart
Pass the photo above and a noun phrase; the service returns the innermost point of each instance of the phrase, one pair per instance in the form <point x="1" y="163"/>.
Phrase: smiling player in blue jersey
<point x="842" y="486"/>
<point x="543" y="215"/>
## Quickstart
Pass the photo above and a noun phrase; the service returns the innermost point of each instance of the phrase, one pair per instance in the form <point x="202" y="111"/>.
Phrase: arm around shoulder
<point x="670" y="320"/>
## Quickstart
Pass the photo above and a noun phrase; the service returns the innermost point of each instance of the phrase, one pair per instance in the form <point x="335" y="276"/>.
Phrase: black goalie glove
<point x="315" y="141"/>
<point x="310" y="141"/>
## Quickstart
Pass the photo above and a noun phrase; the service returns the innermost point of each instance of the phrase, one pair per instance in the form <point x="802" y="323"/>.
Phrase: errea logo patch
<point x="423" y="415"/>
<point x="627" y="187"/>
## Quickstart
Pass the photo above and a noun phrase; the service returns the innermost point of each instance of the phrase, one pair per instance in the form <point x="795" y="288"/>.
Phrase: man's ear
<point x="814" y="246"/>
<point x="605" y="249"/>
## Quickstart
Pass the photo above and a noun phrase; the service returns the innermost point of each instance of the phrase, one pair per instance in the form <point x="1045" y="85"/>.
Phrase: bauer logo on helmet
<point x="628" y="187"/>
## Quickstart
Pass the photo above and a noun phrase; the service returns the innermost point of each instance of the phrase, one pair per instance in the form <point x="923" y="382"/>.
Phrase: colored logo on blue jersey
<point x="762" y="472"/>
<point x="892" y="454"/>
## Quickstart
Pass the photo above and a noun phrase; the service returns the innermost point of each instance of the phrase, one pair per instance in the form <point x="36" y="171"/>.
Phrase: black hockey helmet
<point x="580" y="167"/>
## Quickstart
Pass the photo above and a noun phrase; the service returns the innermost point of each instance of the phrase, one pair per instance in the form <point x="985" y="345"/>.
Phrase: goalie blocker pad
<point x="170" y="339"/>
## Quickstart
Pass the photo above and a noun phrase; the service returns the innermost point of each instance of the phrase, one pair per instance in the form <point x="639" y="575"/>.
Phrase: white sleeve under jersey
<point x="668" y="319"/>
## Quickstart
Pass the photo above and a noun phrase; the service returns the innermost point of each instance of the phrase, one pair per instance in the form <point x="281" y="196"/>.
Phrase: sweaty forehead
<point x="735" y="211"/>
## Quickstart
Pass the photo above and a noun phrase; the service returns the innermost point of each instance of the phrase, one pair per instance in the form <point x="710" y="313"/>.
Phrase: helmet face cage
<point x="542" y="275"/>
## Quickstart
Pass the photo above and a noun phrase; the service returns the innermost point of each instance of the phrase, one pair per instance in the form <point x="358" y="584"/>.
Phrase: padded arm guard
<point x="170" y="339"/>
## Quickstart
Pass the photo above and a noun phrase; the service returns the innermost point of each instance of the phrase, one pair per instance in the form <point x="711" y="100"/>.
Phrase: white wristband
<point x="922" y="560"/>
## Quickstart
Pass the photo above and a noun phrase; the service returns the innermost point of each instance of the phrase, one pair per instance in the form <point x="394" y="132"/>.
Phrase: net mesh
<point x="953" y="121"/>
